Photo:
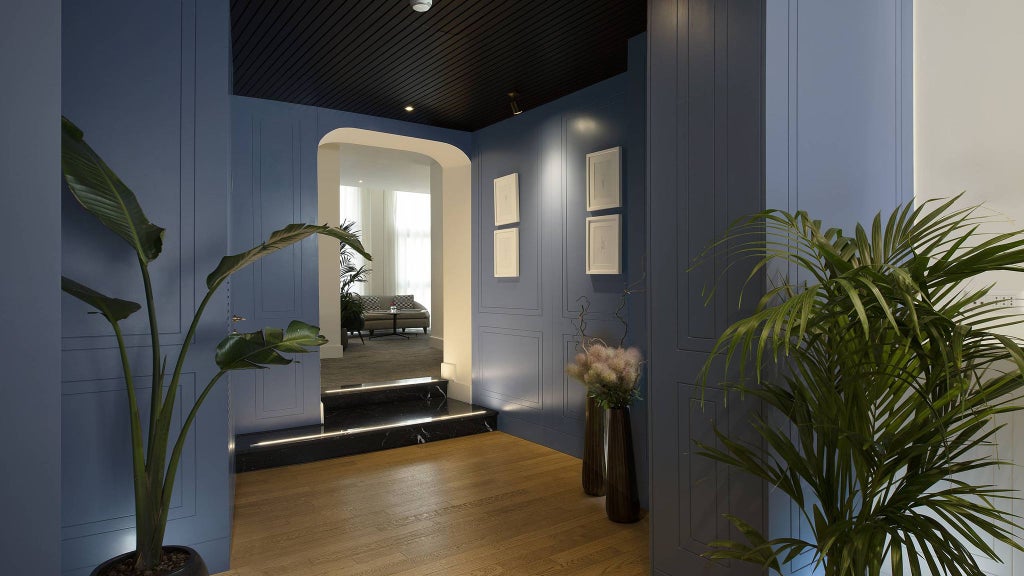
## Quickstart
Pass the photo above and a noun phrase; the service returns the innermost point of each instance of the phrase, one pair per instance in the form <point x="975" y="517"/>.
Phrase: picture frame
<point x="506" y="199"/>
<point x="604" y="244"/>
<point x="506" y="253"/>
<point x="604" y="179"/>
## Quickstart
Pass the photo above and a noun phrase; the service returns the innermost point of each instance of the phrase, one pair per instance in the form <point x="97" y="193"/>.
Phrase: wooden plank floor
<point x="483" y="505"/>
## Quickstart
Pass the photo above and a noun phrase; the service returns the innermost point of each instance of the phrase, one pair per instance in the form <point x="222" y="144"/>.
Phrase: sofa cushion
<point x="374" y="303"/>
<point x="404" y="301"/>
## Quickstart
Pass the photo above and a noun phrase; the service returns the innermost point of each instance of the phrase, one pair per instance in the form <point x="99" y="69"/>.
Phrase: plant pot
<point x="593" y="449"/>
<point x="194" y="565"/>
<point x="622" y="502"/>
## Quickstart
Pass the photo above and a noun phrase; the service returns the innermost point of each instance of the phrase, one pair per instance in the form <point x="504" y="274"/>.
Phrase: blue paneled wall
<point x="148" y="83"/>
<point x="30" y="291"/>
<point x="523" y="327"/>
<point x="839" y="128"/>
<point x="274" y="147"/>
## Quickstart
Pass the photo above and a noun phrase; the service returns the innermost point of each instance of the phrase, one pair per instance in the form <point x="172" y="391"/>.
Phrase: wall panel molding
<point x="519" y="296"/>
<point x="574" y="393"/>
<point x="274" y="400"/>
<point x="511" y="365"/>
<point x="108" y="505"/>
<point x="170" y="201"/>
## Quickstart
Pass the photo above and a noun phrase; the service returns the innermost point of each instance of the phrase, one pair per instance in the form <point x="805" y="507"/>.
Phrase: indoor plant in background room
<point x="102" y="194"/>
<point x="351" y="305"/>
<point x="884" y="372"/>
<point x="611" y="375"/>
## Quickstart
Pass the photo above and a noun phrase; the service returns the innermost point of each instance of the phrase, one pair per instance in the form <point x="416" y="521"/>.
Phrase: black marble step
<point x="361" y="429"/>
<point x="410" y="389"/>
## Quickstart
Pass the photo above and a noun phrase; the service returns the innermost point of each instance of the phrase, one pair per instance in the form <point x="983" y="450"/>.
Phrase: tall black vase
<point x="593" y="449"/>
<point x="622" y="502"/>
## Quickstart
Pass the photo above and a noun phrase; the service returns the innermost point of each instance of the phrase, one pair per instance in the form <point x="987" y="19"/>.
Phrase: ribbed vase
<point x="622" y="502"/>
<point x="593" y="449"/>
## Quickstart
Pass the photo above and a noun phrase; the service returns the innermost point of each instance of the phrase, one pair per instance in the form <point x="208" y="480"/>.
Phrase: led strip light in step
<point x="366" y="429"/>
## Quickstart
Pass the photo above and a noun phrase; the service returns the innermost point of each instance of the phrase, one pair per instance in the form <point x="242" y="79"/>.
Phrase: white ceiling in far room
<point x="384" y="169"/>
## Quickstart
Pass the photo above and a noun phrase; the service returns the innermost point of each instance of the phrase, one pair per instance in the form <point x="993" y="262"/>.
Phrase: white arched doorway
<point x="456" y="250"/>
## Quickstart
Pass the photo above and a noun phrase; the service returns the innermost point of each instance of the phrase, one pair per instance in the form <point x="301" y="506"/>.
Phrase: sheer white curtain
<point x="354" y="209"/>
<point x="412" y="245"/>
<point x="395" y="229"/>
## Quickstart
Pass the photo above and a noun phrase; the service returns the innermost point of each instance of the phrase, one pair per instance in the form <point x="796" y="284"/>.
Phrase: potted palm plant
<point x="351" y="305"/>
<point x="882" y="371"/>
<point x="156" y="449"/>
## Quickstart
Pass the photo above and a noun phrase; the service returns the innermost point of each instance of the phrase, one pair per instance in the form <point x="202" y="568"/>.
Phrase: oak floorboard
<point x="482" y="505"/>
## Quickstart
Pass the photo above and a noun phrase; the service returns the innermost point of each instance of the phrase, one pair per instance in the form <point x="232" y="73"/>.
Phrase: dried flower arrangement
<point x="610" y="373"/>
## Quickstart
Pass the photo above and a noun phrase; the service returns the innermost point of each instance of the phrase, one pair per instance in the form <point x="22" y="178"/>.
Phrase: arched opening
<point x="456" y="310"/>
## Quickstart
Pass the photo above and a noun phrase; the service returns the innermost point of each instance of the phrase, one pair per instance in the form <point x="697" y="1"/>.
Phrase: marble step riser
<point x="363" y="397"/>
<point x="363" y="442"/>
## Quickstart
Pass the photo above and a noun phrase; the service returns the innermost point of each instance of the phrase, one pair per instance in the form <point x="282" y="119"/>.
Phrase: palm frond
<point x="891" y="370"/>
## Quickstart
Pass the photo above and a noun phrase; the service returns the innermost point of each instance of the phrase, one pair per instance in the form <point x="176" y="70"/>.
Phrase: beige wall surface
<point x="327" y="175"/>
<point x="969" y="136"/>
<point x="969" y="109"/>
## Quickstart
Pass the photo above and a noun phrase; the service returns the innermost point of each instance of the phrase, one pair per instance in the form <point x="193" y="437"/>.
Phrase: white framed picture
<point x="604" y="188"/>
<point x="506" y="199"/>
<point x="603" y="244"/>
<point x="506" y="253"/>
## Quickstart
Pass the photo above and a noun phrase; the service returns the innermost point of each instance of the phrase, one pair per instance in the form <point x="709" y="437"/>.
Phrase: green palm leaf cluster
<point x="154" y="459"/>
<point x="883" y="373"/>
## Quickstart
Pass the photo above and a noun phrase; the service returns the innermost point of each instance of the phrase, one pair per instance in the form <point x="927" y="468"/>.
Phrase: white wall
<point x="969" y="136"/>
<point x="436" y="253"/>
<point x="969" y="119"/>
<point x="327" y="176"/>
<point x="456" y="186"/>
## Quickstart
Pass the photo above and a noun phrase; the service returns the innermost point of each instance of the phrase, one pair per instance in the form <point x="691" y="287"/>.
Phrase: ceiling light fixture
<point x="421" y="5"/>
<point x="516" y="110"/>
<point x="409" y="108"/>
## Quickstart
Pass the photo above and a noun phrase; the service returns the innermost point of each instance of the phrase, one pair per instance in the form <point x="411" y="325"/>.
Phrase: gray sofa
<point x="411" y="314"/>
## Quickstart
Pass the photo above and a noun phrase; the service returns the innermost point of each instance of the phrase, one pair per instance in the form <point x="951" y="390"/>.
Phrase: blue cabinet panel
<point x="705" y="169"/>
<point x="273" y="185"/>
<point x="148" y="83"/>
<point x="153" y="102"/>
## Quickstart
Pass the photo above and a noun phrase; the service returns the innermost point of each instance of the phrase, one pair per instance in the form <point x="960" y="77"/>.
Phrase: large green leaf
<point x="114" y="309"/>
<point x="103" y="195"/>
<point x="261" y="349"/>
<point x="282" y="238"/>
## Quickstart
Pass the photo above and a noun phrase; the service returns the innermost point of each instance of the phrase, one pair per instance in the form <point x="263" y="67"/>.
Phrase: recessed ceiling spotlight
<point x="421" y="5"/>
<point x="360" y="181"/>
<point x="409" y="108"/>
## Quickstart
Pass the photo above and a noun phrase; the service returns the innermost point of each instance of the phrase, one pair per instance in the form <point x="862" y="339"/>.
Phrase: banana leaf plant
<point x="885" y="371"/>
<point x="156" y="449"/>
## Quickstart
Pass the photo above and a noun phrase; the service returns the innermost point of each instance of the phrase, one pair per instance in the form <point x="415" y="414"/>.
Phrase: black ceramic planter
<point x="622" y="502"/>
<point x="593" y="449"/>
<point x="194" y="566"/>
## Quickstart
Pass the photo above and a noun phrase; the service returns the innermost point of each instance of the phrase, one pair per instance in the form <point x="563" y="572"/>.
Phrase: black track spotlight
<point x="516" y="110"/>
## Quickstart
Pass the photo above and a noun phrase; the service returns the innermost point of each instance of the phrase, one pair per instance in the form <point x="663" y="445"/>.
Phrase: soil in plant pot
<point x="170" y="561"/>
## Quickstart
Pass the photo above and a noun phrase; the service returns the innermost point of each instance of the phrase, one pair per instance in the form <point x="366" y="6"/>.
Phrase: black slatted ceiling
<point x="454" y="63"/>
